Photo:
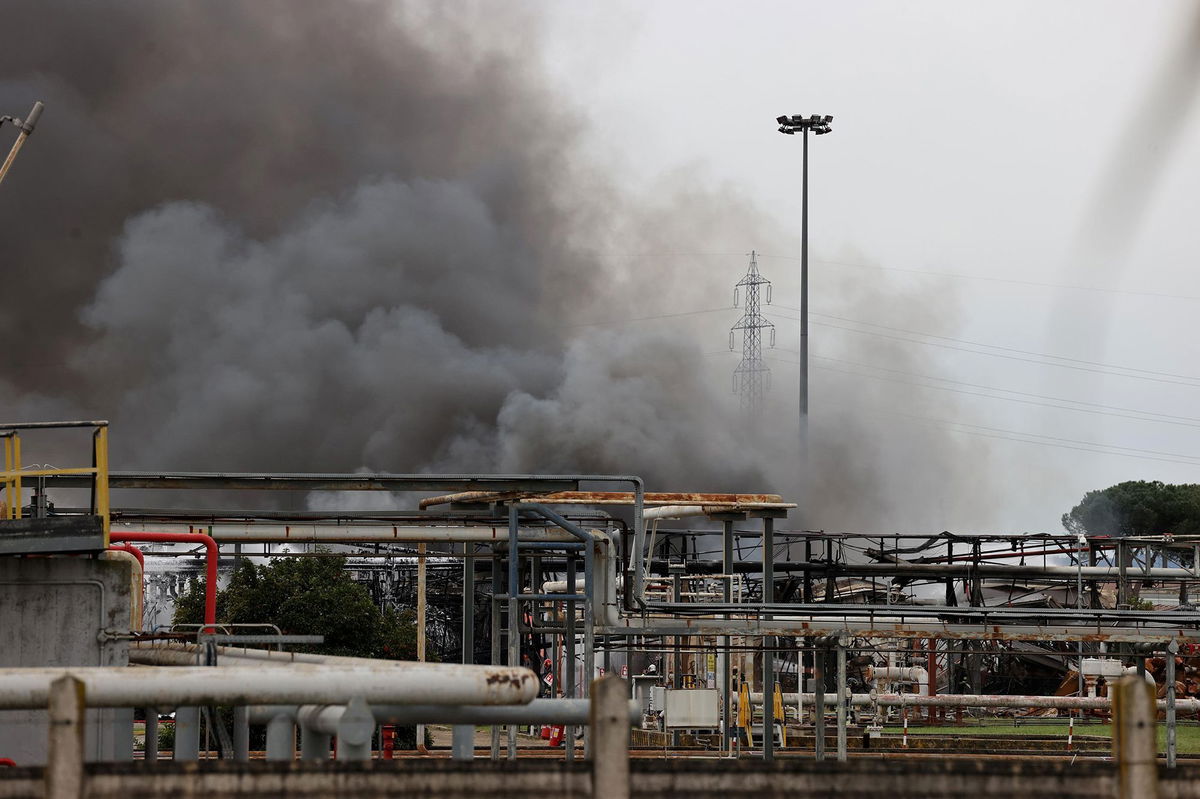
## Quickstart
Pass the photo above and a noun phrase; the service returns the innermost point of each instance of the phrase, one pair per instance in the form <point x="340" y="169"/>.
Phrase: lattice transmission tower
<point x="752" y="377"/>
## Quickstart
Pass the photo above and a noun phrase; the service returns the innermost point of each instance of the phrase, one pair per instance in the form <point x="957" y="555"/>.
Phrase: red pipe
<point x="210" y="578"/>
<point x="132" y="550"/>
<point x="7" y="761"/>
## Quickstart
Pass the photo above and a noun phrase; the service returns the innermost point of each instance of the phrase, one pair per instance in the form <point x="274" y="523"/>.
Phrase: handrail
<point x="14" y="473"/>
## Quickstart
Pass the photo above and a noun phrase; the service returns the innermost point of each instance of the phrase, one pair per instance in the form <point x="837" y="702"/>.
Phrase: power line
<point x="990" y="279"/>
<point x="1018" y="358"/>
<point x="1095" y="408"/>
<point x="923" y="272"/>
<point x="1055" y="441"/>
<point x="1136" y="414"/>
<point x="1036" y="438"/>
<point x="1077" y="364"/>
<point x="1005" y="349"/>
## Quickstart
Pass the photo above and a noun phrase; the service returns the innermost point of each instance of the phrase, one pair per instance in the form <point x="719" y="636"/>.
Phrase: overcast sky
<point x="1031" y="150"/>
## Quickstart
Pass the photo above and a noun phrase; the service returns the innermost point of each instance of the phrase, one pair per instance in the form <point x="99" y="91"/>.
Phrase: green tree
<point x="1137" y="508"/>
<point x="307" y="596"/>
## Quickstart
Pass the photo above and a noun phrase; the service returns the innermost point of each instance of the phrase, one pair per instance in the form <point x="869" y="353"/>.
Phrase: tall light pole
<point x="820" y="126"/>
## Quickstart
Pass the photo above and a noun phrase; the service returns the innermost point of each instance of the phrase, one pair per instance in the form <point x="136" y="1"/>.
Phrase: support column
<point x="281" y="739"/>
<point x="314" y="745"/>
<point x="819" y="704"/>
<point x="514" y="609"/>
<point x="610" y="738"/>
<point x="187" y="733"/>
<point x="1172" y="650"/>
<point x="841" y="700"/>
<point x="462" y="742"/>
<point x="497" y="590"/>
<point x="354" y="731"/>
<point x="727" y="687"/>
<point x="569" y="656"/>
<point x="1094" y="591"/>
<point x="241" y="734"/>
<point x="463" y="735"/>
<point x="1134" y="739"/>
<point x="768" y="656"/>
<point x="421" y="613"/>
<point x="676" y="572"/>
<point x="151" y="746"/>
<point x="64" y="767"/>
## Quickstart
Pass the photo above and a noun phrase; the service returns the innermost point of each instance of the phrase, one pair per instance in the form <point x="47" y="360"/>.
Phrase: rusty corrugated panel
<point x="614" y="498"/>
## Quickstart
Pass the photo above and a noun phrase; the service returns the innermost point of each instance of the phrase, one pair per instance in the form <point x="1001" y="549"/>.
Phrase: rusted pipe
<point x="212" y="553"/>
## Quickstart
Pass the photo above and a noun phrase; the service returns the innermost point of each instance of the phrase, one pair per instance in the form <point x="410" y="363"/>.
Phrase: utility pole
<point x="752" y="377"/>
<point x="820" y="125"/>
<point x="26" y="128"/>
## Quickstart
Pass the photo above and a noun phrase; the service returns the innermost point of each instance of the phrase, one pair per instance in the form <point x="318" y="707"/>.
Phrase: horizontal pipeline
<point x="270" y="533"/>
<point x="975" y="700"/>
<point x="150" y="653"/>
<point x="915" y="626"/>
<point x="305" y="684"/>
<point x="325" y="719"/>
<point x="935" y="570"/>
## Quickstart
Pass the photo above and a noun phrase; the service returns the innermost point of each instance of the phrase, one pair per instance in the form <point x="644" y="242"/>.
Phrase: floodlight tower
<point x="820" y="125"/>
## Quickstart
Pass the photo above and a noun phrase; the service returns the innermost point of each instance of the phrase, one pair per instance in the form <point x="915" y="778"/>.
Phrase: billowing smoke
<point x="300" y="235"/>
<point x="312" y="236"/>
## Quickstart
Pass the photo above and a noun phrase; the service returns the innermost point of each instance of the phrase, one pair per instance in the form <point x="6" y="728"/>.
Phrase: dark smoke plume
<point x="309" y="235"/>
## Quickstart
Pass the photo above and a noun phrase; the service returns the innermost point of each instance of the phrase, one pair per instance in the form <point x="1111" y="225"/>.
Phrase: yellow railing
<point x="14" y="474"/>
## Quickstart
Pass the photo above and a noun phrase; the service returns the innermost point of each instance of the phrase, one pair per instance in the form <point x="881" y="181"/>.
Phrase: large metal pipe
<point x="301" y="684"/>
<point x="983" y="700"/>
<point x="673" y="512"/>
<point x="910" y="674"/>
<point x="273" y="532"/>
<point x="325" y="718"/>
<point x="152" y="653"/>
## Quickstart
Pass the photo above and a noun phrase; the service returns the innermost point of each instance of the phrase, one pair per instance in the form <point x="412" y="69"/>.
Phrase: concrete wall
<point x="906" y="778"/>
<point x="52" y="613"/>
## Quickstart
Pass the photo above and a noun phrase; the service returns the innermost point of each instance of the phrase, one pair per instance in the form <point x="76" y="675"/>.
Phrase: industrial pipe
<point x="269" y="533"/>
<point x="910" y="674"/>
<point x="325" y="718"/>
<point x="212" y="553"/>
<point x="985" y="700"/>
<point x="387" y="683"/>
<point x="673" y="512"/>
<point x="978" y="700"/>
<point x="155" y="653"/>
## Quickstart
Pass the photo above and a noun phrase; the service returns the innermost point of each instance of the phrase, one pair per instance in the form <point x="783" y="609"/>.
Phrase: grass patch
<point x="1187" y="735"/>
